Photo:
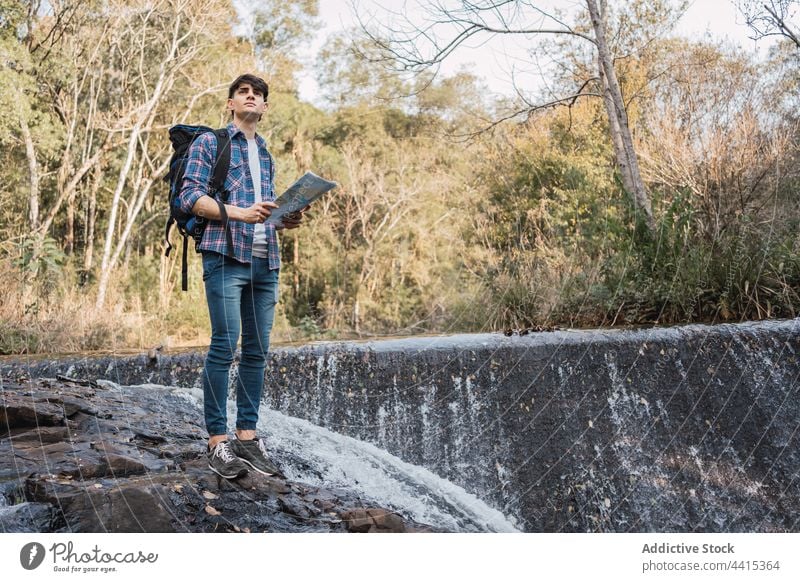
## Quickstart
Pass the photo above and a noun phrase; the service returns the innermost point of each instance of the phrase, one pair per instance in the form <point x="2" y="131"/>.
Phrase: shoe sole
<point x="256" y="469"/>
<point x="241" y="473"/>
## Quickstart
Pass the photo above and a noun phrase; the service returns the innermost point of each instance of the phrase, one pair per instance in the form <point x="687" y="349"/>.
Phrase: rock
<point x="373" y="520"/>
<point x="40" y="436"/>
<point x="294" y="505"/>
<point x="145" y="435"/>
<point x="26" y="517"/>
<point x="324" y="504"/>
<point x="357" y="520"/>
<point x="138" y="509"/>
<point x="386" y="521"/>
<point x="134" y="461"/>
<point x="19" y="410"/>
<point x="128" y="506"/>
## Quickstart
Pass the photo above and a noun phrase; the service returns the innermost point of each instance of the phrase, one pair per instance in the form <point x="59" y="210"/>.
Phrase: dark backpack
<point x="190" y="225"/>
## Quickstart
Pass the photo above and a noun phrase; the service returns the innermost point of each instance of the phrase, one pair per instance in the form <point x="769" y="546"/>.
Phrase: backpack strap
<point x="170" y="222"/>
<point x="221" y="167"/>
<point x="271" y="172"/>
<point x="222" y="163"/>
<point x="185" y="265"/>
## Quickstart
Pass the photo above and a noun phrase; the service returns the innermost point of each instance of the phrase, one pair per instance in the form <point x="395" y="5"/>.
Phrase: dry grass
<point x="60" y="317"/>
<point x="57" y="316"/>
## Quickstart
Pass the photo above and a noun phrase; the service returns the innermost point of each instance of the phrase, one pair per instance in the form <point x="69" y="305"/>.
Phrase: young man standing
<point x="242" y="289"/>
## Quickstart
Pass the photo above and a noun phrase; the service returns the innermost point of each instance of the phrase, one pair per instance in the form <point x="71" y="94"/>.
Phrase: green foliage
<point x="14" y="340"/>
<point x="684" y="277"/>
<point x="347" y="78"/>
<point x="278" y="29"/>
<point x="15" y="82"/>
<point x="566" y="247"/>
<point x="40" y="257"/>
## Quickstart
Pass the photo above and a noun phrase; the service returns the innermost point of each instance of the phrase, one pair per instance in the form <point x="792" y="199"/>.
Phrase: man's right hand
<point x="209" y="208"/>
<point x="257" y="213"/>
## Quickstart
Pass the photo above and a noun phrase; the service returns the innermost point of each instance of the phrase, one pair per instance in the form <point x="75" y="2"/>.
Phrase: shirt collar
<point x="233" y="131"/>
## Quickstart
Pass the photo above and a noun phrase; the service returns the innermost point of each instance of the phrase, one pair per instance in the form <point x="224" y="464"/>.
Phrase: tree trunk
<point x="105" y="264"/>
<point x="357" y="317"/>
<point x="620" y="155"/>
<point x="628" y="153"/>
<point x="165" y="280"/>
<point x="296" y="261"/>
<point x="69" y="236"/>
<point x="33" y="174"/>
<point x="91" y="218"/>
<point x="71" y="186"/>
<point x="133" y="210"/>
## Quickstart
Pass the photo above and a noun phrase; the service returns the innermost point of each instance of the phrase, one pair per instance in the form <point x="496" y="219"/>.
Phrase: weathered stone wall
<point x="680" y="429"/>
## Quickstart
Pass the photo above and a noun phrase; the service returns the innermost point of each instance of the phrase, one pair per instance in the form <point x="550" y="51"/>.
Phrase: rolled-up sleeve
<point x="198" y="171"/>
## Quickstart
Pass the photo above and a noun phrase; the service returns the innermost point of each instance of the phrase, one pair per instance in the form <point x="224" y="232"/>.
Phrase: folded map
<point x="309" y="187"/>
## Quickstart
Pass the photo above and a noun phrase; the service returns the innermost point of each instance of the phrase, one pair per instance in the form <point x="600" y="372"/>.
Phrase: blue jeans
<point x="238" y="295"/>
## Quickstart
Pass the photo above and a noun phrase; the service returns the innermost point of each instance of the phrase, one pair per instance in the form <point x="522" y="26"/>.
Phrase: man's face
<point x="247" y="104"/>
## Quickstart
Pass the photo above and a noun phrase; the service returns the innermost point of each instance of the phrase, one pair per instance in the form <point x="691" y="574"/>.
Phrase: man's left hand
<point x="293" y="219"/>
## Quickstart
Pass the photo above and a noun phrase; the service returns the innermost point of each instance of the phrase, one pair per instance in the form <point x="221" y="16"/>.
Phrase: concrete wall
<point x="680" y="429"/>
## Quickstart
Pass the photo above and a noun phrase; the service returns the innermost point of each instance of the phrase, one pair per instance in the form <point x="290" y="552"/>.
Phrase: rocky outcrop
<point x="79" y="457"/>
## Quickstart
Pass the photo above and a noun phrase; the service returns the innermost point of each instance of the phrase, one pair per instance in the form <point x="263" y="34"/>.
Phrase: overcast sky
<point x="495" y="60"/>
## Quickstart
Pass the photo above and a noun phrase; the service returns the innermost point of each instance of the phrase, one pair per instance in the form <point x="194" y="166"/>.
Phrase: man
<point x="242" y="290"/>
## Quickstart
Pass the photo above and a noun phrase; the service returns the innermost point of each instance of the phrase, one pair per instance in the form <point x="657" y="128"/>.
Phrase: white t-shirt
<point x="260" y="233"/>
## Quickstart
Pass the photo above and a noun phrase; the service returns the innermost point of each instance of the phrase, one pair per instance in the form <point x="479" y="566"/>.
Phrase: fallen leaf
<point x="211" y="511"/>
<point x="209" y="495"/>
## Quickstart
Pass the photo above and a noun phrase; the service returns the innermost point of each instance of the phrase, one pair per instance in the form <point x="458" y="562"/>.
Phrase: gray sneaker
<point x="224" y="463"/>
<point x="254" y="453"/>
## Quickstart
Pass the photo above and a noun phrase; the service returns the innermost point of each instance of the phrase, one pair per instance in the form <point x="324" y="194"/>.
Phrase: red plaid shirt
<point x="239" y="185"/>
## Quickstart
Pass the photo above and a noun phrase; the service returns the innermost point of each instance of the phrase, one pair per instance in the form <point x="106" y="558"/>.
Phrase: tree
<point x="277" y="28"/>
<point x="115" y="74"/>
<point x="159" y="41"/>
<point x="415" y="48"/>
<point x="713" y="133"/>
<point x="36" y="128"/>
<point x="772" y="18"/>
<point x="346" y="79"/>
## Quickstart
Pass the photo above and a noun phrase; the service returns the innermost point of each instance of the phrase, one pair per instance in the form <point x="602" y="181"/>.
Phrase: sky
<point x="495" y="61"/>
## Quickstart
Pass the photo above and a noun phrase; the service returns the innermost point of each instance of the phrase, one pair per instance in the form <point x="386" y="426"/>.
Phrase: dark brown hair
<point x="257" y="83"/>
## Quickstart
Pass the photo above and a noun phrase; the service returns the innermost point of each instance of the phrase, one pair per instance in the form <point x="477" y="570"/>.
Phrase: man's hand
<point x="257" y="213"/>
<point x="208" y="208"/>
<point x="293" y="219"/>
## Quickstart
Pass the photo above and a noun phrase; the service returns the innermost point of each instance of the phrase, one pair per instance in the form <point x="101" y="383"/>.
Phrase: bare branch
<point x="770" y="18"/>
<point x="529" y="111"/>
<point x="401" y="47"/>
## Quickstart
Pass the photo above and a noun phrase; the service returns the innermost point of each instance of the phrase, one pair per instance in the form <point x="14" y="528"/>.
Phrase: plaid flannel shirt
<point x="239" y="184"/>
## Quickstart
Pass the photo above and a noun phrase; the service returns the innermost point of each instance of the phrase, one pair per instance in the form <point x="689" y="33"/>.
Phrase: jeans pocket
<point x="211" y="263"/>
